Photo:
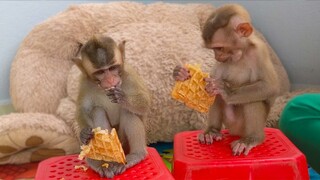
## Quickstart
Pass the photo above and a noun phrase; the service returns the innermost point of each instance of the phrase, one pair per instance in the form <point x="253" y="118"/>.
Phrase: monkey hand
<point x="116" y="95"/>
<point x="209" y="136"/>
<point x="243" y="145"/>
<point x="181" y="73"/>
<point x="86" y="135"/>
<point x="216" y="87"/>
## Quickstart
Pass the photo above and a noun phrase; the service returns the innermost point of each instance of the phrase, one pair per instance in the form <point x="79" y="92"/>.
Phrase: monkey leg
<point x="214" y="123"/>
<point x="96" y="165"/>
<point x="132" y="129"/>
<point x="255" y="115"/>
<point x="100" y="118"/>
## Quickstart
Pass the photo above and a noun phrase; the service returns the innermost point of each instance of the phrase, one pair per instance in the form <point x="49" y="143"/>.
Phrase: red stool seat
<point x="62" y="167"/>
<point x="276" y="158"/>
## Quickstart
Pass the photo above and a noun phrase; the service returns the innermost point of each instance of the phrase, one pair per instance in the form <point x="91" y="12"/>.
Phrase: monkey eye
<point x="218" y="48"/>
<point x="99" y="72"/>
<point x="115" y="67"/>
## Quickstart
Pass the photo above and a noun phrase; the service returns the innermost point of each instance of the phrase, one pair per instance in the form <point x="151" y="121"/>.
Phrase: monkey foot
<point x="113" y="169"/>
<point x="242" y="146"/>
<point x="110" y="170"/>
<point x="135" y="158"/>
<point x="209" y="137"/>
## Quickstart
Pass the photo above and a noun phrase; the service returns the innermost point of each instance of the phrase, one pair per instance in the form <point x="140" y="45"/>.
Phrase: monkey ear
<point x="78" y="62"/>
<point x="244" y="29"/>
<point x="122" y="48"/>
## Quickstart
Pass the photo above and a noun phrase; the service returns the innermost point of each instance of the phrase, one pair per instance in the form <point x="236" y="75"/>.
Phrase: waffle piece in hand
<point x="104" y="146"/>
<point x="192" y="91"/>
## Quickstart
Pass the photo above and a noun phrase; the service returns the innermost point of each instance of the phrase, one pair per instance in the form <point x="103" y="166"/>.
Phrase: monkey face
<point x="222" y="54"/>
<point x="227" y="46"/>
<point x="110" y="75"/>
<point x="103" y="63"/>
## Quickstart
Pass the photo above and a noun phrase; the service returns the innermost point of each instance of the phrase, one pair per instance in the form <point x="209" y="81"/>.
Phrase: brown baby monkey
<point x="244" y="80"/>
<point x="112" y="95"/>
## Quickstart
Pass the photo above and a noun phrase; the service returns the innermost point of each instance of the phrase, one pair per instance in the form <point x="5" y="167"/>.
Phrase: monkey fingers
<point x="116" y="168"/>
<point x="211" y="86"/>
<point x="100" y="171"/>
<point x="116" y="95"/>
<point x="113" y="98"/>
<point x="107" y="172"/>
<point x="211" y="90"/>
<point x="181" y="73"/>
<point x="239" y="147"/>
<point x="215" y="87"/>
<point x="96" y="166"/>
<point x="207" y="138"/>
<point x="86" y="135"/>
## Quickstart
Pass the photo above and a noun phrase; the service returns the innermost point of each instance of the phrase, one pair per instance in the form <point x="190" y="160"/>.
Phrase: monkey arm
<point x="100" y="119"/>
<point x="92" y="116"/>
<point x="265" y="88"/>
<point x="84" y="120"/>
<point x="137" y="97"/>
<point x="137" y="103"/>
<point x="85" y="133"/>
<point x="258" y="91"/>
<point x="135" y="100"/>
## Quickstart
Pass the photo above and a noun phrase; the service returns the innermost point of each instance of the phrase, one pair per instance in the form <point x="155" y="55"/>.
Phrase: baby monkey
<point x="244" y="81"/>
<point x="112" y="95"/>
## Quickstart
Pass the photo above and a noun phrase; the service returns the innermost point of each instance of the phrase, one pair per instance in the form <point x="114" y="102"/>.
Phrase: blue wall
<point x="291" y="27"/>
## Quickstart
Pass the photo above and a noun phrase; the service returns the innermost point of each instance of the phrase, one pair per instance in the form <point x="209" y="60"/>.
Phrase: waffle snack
<point x="192" y="91"/>
<point x="103" y="146"/>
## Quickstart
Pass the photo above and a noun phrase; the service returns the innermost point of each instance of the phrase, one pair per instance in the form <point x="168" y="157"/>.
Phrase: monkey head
<point x="226" y="32"/>
<point x="102" y="61"/>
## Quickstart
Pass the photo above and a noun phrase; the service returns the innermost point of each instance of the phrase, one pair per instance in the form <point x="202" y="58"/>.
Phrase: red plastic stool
<point x="62" y="167"/>
<point x="275" y="158"/>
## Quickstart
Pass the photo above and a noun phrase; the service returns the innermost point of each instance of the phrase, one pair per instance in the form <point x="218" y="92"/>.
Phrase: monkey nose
<point x="109" y="83"/>
<point x="106" y="84"/>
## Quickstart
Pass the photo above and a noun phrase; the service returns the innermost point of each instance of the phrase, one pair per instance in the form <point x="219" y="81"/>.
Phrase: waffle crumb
<point x="82" y="167"/>
<point x="106" y="165"/>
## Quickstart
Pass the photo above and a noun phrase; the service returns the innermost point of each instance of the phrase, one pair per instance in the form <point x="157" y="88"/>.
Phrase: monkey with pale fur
<point x="112" y="95"/>
<point x="245" y="81"/>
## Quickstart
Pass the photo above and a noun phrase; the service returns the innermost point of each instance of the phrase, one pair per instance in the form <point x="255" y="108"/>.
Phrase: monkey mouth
<point x="108" y="89"/>
<point x="115" y="86"/>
